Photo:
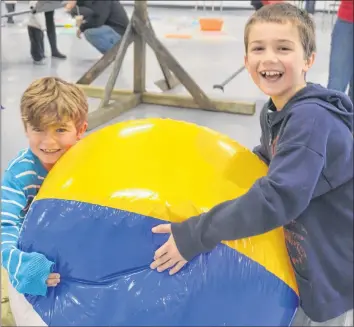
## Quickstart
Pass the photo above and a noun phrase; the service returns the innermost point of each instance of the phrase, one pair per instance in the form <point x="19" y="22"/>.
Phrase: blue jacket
<point x="21" y="181"/>
<point x="308" y="189"/>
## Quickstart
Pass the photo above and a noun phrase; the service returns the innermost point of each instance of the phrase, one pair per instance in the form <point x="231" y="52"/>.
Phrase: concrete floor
<point x="208" y="58"/>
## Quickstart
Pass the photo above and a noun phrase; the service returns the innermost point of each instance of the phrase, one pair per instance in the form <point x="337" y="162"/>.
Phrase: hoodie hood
<point x="336" y="102"/>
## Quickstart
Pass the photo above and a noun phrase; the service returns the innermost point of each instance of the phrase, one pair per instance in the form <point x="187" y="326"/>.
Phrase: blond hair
<point x="50" y="101"/>
<point x="283" y="13"/>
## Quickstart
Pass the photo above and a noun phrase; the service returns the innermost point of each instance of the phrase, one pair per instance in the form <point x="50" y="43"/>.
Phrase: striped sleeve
<point x="13" y="201"/>
<point x="27" y="272"/>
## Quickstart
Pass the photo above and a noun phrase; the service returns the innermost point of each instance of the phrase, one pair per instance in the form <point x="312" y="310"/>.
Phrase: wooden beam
<point x="97" y="92"/>
<point x="175" y="100"/>
<point x="141" y="31"/>
<point x="140" y="9"/>
<point x="98" y="68"/>
<point x="124" y="43"/>
<point x="186" y="101"/>
<point x="197" y="93"/>
<point x="122" y="104"/>
<point x="169" y="81"/>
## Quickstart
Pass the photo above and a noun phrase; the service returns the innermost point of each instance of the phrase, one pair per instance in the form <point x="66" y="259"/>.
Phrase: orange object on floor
<point x="211" y="24"/>
<point x="178" y="36"/>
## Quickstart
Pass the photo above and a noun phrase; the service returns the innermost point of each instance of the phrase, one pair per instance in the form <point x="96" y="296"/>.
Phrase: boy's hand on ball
<point x="53" y="280"/>
<point x="167" y="256"/>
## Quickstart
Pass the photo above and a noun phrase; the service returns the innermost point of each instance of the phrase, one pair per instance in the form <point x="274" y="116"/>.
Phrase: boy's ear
<point x="246" y="62"/>
<point x="309" y="62"/>
<point x="82" y="130"/>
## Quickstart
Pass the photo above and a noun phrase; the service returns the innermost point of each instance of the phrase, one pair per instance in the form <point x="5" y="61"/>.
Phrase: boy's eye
<point x="61" y="130"/>
<point x="284" y="49"/>
<point x="36" y="130"/>
<point x="257" y="49"/>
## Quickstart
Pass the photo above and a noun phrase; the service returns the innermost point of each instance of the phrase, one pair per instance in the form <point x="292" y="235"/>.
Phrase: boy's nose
<point x="48" y="141"/>
<point x="270" y="56"/>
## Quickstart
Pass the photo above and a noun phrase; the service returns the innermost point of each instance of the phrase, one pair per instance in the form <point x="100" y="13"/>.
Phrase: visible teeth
<point x="49" y="151"/>
<point x="270" y="73"/>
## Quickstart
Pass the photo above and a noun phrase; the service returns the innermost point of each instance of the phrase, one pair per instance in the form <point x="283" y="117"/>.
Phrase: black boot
<point x="52" y="35"/>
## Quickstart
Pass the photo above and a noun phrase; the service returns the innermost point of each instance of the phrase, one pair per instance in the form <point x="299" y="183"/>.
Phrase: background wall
<point x="241" y="4"/>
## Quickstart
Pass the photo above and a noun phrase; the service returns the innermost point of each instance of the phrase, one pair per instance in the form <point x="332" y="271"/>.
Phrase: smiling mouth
<point x="271" y="75"/>
<point x="51" y="151"/>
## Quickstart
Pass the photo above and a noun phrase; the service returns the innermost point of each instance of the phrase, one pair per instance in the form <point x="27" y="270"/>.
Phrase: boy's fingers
<point x="53" y="282"/>
<point x="177" y="267"/>
<point x="54" y="276"/>
<point x="170" y="263"/>
<point x="164" y="228"/>
<point x="162" y="250"/>
<point x="160" y="261"/>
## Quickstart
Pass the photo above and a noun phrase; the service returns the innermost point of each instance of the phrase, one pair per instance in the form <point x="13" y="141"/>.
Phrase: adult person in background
<point x="103" y="23"/>
<point x="36" y="28"/>
<point x="341" y="55"/>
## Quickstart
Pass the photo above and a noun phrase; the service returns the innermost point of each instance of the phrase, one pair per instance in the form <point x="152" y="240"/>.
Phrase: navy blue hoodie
<point x="308" y="146"/>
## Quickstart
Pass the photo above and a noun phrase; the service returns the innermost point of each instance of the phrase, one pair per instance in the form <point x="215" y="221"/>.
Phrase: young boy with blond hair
<point x="307" y="141"/>
<point x="54" y="114"/>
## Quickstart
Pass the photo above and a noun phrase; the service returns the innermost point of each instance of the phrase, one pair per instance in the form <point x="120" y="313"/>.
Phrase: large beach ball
<point x="93" y="217"/>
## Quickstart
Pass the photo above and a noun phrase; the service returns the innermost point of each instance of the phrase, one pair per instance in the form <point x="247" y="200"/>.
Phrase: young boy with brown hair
<point x="54" y="114"/>
<point x="307" y="141"/>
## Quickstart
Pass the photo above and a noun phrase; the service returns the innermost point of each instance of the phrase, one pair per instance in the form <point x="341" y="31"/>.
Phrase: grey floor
<point x="208" y="58"/>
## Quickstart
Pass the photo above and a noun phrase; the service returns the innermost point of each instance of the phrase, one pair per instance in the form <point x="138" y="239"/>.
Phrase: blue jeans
<point x="103" y="38"/>
<point x="341" y="58"/>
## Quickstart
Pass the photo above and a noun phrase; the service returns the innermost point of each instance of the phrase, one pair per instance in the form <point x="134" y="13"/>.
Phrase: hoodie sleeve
<point x="100" y="16"/>
<point x="86" y="12"/>
<point x="261" y="152"/>
<point x="273" y="200"/>
<point x="261" y="149"/>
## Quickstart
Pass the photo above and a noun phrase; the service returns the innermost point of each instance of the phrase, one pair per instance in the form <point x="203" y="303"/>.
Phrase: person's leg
<point x="103" y="38"/>
<point x="341" y="56"/>
<point x="10" y="7"/>
<point x="310" y="6"/>
<point x="41" y="43"/>
<point x="52" y="35"/>
<point x="36" y="41"/>
<point x="302" y="320"/>
<point x="256" y="4"/>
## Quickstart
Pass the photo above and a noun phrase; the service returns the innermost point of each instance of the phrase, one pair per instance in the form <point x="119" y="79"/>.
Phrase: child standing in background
<point x="37" y="23"/>
<point x="36" y="27"/>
